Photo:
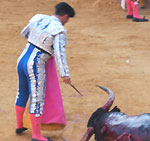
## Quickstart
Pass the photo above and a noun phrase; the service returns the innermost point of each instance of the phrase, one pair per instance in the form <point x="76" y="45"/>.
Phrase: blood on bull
<point x="113" y="125"/>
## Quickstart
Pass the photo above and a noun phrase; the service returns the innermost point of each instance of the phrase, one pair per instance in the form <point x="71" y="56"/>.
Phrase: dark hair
<point x="63" y="8"/>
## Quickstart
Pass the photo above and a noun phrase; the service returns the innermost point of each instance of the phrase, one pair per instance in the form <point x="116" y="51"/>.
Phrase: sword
<point x="75" y="89"/>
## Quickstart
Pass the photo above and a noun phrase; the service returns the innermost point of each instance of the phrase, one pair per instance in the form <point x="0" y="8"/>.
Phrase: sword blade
<point x="76" y="89"/>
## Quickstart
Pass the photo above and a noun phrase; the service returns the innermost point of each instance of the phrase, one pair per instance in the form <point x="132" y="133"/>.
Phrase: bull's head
<point x="99" y="112"/>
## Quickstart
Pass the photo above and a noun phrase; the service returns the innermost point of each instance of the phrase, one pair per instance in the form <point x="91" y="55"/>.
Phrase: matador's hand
<point x="66" y="79"/>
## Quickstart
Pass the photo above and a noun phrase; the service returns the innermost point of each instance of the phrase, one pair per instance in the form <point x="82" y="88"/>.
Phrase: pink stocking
<point x="135" y="10"/>
<point x="36" y="134"/>
<point x="19" y="116"/>
<point x="129" y="7"/>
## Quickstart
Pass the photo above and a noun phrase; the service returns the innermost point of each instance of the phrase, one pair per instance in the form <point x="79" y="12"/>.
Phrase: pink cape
<point x="53" y="111"/>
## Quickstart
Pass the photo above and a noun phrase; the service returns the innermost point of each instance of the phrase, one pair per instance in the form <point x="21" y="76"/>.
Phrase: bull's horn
<point x="110" y="100"/>
<point x="88" y="134"/>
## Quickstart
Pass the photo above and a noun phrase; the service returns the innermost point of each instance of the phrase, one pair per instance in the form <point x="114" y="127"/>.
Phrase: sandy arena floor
<point x="103" y="48"/>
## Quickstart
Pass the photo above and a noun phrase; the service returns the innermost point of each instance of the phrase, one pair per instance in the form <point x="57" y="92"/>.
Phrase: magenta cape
<point x="53" y="111"/>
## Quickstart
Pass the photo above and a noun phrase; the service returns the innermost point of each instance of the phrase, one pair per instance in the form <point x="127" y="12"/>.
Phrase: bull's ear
<point x="115" y="109"/>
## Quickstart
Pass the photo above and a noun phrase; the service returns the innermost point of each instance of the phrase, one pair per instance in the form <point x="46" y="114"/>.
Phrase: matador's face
<point x="65" y="19"/>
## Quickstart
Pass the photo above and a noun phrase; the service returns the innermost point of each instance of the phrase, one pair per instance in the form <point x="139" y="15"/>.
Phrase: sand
<point x="103" y="48"/>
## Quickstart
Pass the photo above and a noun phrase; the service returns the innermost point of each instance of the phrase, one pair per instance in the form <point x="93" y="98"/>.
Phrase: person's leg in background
<point x="136" y="15"/>
<point x="129" y="9"/>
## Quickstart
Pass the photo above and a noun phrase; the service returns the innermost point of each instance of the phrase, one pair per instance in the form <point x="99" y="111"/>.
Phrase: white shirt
<point x="48" y="33"/>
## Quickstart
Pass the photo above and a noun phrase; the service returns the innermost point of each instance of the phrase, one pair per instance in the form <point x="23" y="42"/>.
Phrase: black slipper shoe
<point x="20" y="130"/>
<point x="139" y="20"/>
<point x="129" y="17"/>
<point x="41" y="140"/>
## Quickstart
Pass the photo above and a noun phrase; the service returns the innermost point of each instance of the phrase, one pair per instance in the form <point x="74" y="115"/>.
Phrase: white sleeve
<point x="60" y="54"/>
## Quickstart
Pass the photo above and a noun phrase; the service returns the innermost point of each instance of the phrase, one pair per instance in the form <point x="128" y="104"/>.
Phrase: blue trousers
<point x="32" y="79"/>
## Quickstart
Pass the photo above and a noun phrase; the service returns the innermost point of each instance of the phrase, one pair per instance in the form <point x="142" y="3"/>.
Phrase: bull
<point x="113" y="125"/>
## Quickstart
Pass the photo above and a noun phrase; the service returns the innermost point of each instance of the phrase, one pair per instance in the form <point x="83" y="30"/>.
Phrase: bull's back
<point x="119" y="123"/>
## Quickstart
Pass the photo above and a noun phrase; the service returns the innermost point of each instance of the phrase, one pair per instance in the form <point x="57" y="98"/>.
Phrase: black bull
<point x="116" y="126"/>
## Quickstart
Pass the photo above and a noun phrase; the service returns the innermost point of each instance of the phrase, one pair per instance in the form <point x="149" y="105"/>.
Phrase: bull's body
<point x="116" y="126"/>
